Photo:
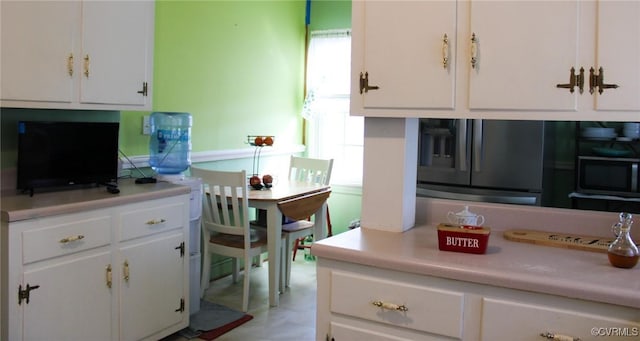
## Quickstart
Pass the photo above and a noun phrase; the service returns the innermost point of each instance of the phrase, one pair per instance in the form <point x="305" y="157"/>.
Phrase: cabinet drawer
<point x="430" y="310"/>
<point x="149" y="219"/>
<point x="527" y="321"/>
<point x="62" y="238"/>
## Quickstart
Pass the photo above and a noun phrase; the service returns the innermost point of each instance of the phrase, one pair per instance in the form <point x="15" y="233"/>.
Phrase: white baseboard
<point x="141" y="161"/>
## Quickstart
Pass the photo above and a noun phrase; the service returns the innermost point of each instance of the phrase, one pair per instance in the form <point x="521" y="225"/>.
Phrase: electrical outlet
<point x="146" y="125"/>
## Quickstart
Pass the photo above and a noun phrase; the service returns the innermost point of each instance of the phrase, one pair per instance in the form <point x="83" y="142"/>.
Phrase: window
<point x="332" y="132"/>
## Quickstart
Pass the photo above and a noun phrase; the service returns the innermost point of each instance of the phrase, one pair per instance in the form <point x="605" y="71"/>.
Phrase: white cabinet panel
<point x="77" y="54"/>
<point x="72" y="302"/>
<point x="403" y="54"/>
<point x="118" y="56"/>
<point x="427" y="309"/>
<point x="38" y="43"/>
<point x="522" y="54"/>
<point x="618" y="53"/>
<point x="152" y="286"/>
<point x="78" y="234"/>
<point x="527" y="321"/>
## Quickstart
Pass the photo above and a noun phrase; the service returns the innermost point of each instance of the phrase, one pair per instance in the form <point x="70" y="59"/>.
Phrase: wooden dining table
<point x="298" y="198"/>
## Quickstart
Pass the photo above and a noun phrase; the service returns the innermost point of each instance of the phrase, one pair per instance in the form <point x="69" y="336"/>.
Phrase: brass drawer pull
<point x="125" y="270"/>
<point x="445" y="51"/>
<point x="155" y="221"/>
<point x="71" y="239"/>
<point x="559" y="337"/>
<point x="109" y="278"/>
<point x="70" y="64"/>
<point x="86" y="66"/>
<point x="474" y="51"/>
<point x="390" y="306"/>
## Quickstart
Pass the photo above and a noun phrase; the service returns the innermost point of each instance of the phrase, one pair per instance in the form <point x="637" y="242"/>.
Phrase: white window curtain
<point x="332" y="132"/>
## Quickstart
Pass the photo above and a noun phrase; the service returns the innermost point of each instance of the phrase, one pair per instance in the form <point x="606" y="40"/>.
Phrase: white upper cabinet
<point x="511" y="59"/>
<point x="618" y="53"/>
<point x="405" y="45"/>
<point x="39" y="39"/>
<point x="77" y="54"/>
<point x="521" y="54"/>
<point x="116" y="46"/>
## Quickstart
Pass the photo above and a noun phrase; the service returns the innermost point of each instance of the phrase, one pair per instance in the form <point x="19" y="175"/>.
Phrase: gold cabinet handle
<point x="155" y="221"/>
<point x="70" y="64"/>
<point x="390" y="306"/>
<point x="445" y="51"/>
<point x="125" y="271"/>
<point x="71" y="239"/>
<point x="474" y="51"/>
<point x="559" y="337"/>
<point x="109" y="276"/>
<point x="86" y="66"/>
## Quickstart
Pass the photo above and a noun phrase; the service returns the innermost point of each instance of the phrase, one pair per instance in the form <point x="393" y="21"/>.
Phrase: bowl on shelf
<point x="598" y="133"/>
<point x="602" y="151"/>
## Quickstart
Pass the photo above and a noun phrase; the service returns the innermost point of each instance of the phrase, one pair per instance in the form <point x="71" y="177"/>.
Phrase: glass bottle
<point x="623" y="252"/>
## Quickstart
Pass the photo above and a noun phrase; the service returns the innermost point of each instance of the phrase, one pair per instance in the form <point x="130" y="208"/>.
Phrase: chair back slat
<point x="225" y="202"/>
<point x="310" y="170"/>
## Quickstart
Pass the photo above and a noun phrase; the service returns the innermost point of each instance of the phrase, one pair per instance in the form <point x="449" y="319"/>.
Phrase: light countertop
<point x="17" y="207"/>
<point x="565" y="272"/>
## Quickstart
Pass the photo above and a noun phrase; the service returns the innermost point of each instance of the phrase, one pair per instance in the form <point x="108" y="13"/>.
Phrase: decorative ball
<point x="254" y="181"/>
<point x="268" y="141"/>
<point x="258" y="141"/>
<point x="267" y="180"/>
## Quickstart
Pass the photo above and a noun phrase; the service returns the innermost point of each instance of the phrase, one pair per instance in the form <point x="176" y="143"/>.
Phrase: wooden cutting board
<point x="563" y="240"/>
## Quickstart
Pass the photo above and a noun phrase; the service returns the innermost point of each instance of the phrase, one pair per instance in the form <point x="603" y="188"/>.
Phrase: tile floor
<point x="293" y="319"/>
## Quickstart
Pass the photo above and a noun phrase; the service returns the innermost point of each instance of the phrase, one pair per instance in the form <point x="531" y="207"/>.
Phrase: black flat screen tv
<point x="58" y="155"/>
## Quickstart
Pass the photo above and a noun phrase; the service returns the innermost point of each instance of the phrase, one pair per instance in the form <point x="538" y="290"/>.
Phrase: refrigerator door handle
<point x="462" y="144"/>
<point x="501" y="199"/>
<point x="477" y="145"/>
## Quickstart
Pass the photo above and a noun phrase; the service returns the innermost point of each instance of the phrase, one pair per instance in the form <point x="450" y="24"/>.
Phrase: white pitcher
<point x="465" y="217"/>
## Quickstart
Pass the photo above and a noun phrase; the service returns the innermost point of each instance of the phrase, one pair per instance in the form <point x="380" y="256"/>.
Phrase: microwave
<point x="608" y="176"/>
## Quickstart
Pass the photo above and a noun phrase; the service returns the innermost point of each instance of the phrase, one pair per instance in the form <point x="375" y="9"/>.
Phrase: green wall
<point x="236" y="66"/>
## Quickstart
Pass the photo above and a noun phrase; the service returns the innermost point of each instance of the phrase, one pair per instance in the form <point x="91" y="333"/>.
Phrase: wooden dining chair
<point x="312" y="171"/>
<point x="225" y="225"/>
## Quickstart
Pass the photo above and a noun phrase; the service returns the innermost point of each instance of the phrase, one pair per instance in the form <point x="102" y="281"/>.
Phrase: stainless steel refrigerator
<point x="485" y="160"/>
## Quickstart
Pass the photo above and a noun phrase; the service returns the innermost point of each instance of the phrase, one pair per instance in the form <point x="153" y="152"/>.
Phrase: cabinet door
<point x="400" y="46"/>
<point x="39" y="41"/>
<point x="151" y="294"/>
<point x="117" y="42"/>
<point x="522" y="53"/>
<point x="72" y="302"/>
<point x="618" y="53"/>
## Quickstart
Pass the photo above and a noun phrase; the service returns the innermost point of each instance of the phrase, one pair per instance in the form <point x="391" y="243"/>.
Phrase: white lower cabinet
<point x="357" y="302"/>
<point x="141" y="263"/>
<point x="72" y="299"/>
<point x="74" y="276"/>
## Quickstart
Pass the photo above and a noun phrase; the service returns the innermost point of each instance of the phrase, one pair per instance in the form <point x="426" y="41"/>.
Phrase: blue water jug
<point x="170" y="142"/>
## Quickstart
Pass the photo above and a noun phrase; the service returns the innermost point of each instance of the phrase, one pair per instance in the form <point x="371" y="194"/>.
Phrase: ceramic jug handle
<point x="480" y="220"/>
<point x="452" y="217"/>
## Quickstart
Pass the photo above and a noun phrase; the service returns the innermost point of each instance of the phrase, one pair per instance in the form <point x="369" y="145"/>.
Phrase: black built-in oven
<point x="608" y="176"/>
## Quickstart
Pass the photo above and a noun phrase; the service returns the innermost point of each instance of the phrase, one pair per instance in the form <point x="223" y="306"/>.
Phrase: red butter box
<point x="468" y="239"/>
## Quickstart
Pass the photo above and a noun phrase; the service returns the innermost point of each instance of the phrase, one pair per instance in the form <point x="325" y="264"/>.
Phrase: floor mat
<point x="213" y="320"/>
